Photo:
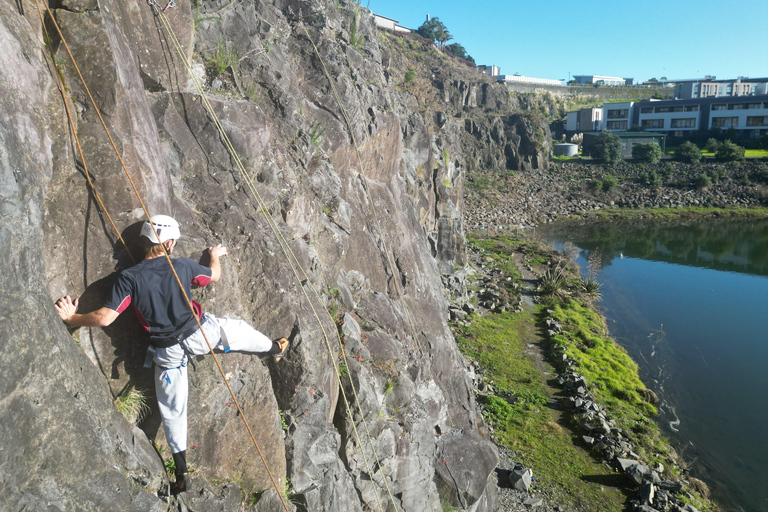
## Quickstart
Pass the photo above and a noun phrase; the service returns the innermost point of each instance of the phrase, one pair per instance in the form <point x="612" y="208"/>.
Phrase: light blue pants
<point x="171" y="385"/>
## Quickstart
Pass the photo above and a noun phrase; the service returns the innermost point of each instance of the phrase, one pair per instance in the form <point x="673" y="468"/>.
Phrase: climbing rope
<point x="292" y="260"/>
<point x="165" y="252"/>
<point x="60" y="86"/>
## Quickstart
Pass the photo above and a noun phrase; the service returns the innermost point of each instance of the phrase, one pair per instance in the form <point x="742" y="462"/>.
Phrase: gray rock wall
<point x="368" y="199"/>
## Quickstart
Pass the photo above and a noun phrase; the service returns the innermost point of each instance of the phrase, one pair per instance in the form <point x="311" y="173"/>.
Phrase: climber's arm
<point x="67" y="310"/>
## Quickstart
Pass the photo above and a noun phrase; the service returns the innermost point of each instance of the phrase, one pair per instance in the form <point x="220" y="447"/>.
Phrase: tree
<point x="688" y="152"/>
<point x="730" y="152"/>
<point x="607" y="148"/>
<point x="712" y="145"/>
<point x="434" y="30"/>
<point x="648" y="153"/>
<point x="459" y="51"/>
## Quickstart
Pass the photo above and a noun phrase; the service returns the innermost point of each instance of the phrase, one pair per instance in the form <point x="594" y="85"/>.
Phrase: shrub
<point x="132" y="404"/>
<point x="410" y="75"/>
<point x="607" y="148"/>
<point x="649" y="153"/>
<point x="652" y="179"/>
<point x="729" y="152"/>
<point x="712" y="145"/>
<point x="702" y="181"/>
<point x="609" y="183"/>
<point x="760" y="174"/>
<point x="688" y="152"/>
<point x="595" y="185"/>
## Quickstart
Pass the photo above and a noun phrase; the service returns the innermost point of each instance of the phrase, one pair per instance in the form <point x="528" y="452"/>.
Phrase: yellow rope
<point x="292" y="261"/>
<point x="167" y="255"/>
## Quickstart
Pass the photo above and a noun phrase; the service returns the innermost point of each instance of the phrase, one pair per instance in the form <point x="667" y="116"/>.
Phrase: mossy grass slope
<point x="529" y="426"/>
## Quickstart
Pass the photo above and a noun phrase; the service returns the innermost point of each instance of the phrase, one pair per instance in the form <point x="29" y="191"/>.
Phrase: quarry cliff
<point x="351" y="175"/>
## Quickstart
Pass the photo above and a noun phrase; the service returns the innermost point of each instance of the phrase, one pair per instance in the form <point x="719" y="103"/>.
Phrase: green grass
<point x="566" y="158"/>
<point x="132" y="404"/>
<point x="499" y="344"/>
<point x="612" y="376"/>
<point x="688" y="212"/>
<point x="499" y="250"/>
<point x="756" y="153"/>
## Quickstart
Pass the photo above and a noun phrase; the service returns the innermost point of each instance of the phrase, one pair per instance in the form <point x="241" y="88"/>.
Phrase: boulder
<point x="521" y="479"/>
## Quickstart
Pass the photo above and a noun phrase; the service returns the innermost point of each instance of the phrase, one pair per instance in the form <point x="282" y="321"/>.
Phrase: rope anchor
<point x="156" y="6"/>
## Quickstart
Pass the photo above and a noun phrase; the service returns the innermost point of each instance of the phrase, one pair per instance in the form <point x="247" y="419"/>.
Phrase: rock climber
<point x="151" y="288"/>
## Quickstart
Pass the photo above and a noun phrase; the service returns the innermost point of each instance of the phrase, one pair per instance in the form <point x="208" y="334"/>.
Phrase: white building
<point x="389" y="24"/>
<point x="719" y="88"/>
<point x="618" y="116"/>
<point x="520" y="79"/>
<point x="599" y="79"/>
<point x="491" y="71"/>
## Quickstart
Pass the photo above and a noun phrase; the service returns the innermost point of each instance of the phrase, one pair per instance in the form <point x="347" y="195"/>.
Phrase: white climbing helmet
<point x="167" y="229"/>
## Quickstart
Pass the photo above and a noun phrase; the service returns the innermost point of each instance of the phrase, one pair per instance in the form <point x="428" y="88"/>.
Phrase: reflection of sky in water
<point x="710" y="365"/>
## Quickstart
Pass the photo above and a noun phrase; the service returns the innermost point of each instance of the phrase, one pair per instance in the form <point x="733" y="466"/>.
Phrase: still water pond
<point x="689" y="302"/>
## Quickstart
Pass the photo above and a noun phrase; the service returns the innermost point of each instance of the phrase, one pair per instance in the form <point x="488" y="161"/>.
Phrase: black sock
<point x="180" y="459"/>
<point x="275" y="348"/>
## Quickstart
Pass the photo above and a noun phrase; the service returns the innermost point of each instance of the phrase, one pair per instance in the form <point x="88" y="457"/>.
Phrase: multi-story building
<point x="747" y="115"/>
<point x="741" y="86"/>
<point x="584" y="120"/>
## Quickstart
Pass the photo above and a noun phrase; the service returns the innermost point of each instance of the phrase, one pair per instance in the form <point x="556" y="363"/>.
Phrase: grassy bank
<point x="689" y="212"/>
<point x="523" y="406"/>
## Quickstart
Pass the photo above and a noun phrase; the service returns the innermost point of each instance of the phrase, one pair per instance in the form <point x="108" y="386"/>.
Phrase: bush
<point x="688" y="152"/>
<point x="607" y="148"/>
<point x="760" y="174"/>
<point x="712" y="145"/>
<point x="410" y="75"/>
<point x="595" y="185"/>
<point x="650" y="153"/>
<point x="730" y="152"/>
<point x="609" y="183"/>
<point x="652" y="179"/>
<point x="702" y="181"/>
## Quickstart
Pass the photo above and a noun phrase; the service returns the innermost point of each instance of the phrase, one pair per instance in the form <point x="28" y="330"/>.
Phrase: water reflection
<point x="705" y="281"/>
<point x="734" y="245"/>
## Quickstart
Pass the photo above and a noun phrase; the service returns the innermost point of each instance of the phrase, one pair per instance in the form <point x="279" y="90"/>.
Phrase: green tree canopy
<point x="688" y="152"/>
<point x="607" y="148"/>
<point x="459" y="51"/>
<point x="434" y="30"/>
<point x="648" y="153"/>
<point x="730" y="152"/>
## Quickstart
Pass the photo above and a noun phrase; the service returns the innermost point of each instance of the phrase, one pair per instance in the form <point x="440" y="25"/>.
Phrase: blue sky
<point x="642" y="40"/>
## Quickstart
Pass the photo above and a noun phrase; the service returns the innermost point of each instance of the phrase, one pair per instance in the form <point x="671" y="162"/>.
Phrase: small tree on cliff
<point x="607" y="148"/>
<point x="434" y="30"/>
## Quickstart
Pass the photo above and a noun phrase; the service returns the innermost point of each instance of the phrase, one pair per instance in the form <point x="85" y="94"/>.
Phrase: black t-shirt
<point x="151" y="288"/>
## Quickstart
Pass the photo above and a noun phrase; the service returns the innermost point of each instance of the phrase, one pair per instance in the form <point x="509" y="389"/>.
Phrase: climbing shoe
<point x="182" y="484"/>
<point x="282" y="343"/>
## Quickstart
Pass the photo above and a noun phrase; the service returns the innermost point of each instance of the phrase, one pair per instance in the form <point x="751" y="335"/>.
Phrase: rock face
<point x="360" y="204"/>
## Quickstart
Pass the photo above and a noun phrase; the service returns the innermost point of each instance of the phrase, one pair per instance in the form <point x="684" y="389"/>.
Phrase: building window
<point x="646" y="110"/>
<point x="660" y="110"/>
<point x="736" y="106"/>
<point x="617" y="113"/>
<point x="725" y="122"/>
<point x="753" y="105"/>
<point x="757" y="120"/>
<point x="718" y="107"/>
<point x="616" y="125"/>
<point x="691" y="108"/>
<point x="684" y="123"/>
<point x="650" y="124"/>
<point x="676" y="109"/>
